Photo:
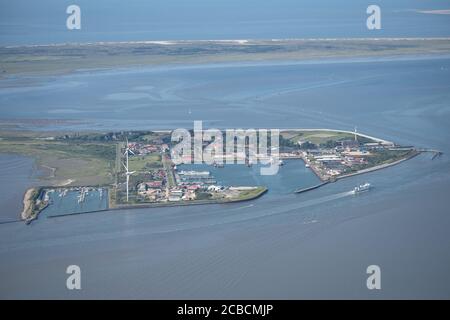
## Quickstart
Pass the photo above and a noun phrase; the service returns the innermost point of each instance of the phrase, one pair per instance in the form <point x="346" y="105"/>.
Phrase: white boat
<point x="194" y="173"/>
<point x="307" y="165"/>
<point x="82" y="195"/>
<point x="361" y="188"/>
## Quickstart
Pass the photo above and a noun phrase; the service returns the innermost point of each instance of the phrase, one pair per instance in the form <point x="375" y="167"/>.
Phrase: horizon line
<point x="235" y="41"/>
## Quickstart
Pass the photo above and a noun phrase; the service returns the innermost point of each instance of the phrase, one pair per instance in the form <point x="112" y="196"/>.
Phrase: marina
<point x="75" y="200"/>
<point x="291" y="176"/>
<point x="280" y="246"/>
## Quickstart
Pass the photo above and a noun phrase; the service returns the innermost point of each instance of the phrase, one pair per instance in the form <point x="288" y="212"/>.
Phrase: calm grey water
<point x="313" y="245"/>
<point x="16" y="176"/>
<point x="43" y="22"/>
<point x="291" y="176"/>
<point x="68" y="204"/>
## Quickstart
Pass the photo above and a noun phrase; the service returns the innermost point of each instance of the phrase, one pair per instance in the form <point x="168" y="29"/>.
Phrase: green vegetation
<point x="320" y="138"/>
<point x="250" y="194"/>
<point x="145" y="163"/>
<point x="132" y="136"/>
<point x="82" y="163"/>
<point x="200" y="195"/>
<point x="92" y="159"/>
<point x="382" y="157"/>
<point x="167" y="163"/>
<point x="387" y="156"/>
<point x="72" y="57"/>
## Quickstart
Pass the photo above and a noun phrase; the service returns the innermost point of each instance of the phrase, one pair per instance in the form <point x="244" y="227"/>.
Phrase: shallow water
<point x="70" y="204"/>
<point x="17" y="174"/>
<point x="291" y="176"/>
<point x="312" y="245"/>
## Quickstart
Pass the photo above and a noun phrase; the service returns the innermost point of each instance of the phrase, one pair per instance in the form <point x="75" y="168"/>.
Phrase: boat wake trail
<point x="257" y="214"/>
<point x="155" y="226"/>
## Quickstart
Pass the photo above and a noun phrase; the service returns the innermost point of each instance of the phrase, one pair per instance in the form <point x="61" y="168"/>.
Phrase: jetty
<point x="312" y="188"/>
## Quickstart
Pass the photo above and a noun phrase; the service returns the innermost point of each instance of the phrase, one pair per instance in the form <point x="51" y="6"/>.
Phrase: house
<point x="189" y="195"/>
<point x="174" y="198"/>
<point x="164" y="147"/>
<point x="214" y="188"/>
<point x="175" y="195"/>
<point x="154" y="184"/>
<point x="349" y="144"/>
<point x="142" y="187"/>
<point x="328" y="158"/>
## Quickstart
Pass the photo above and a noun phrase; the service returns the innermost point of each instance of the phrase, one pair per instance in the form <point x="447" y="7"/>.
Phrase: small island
<point x="134" y="169"/>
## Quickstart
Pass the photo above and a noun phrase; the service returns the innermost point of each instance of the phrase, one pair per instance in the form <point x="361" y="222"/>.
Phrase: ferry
<point x="361" y="188"/>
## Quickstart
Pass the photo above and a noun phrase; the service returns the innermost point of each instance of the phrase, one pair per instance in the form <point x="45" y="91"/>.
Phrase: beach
<point x="316" y="244"/>
<point x="28" y="212"/>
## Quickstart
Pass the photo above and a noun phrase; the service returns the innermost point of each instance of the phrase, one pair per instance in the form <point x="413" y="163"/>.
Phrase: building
<point x="175" y="195"/>
<point x="154" y="184"/>
<point x="189" y="195"/>
<point x="327" y="158"/>
<point x="215" y="188"/>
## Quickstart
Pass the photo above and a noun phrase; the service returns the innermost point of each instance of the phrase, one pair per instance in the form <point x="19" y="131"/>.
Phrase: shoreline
<point x="169" y="42"/>
<point x="59" y="59"/>
<point x="28" y="213"/>
<point x="31" y="211"/>
<point x="167" y="204"/>
<point x="359" y="172"/>
<point x="379" y="167"/>
<point x="194" y="202"/>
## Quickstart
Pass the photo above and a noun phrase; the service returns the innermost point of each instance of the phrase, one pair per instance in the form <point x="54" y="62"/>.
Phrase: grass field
<point x="81" y="163"/>
<point x="250" y="194"/>
<point x="167" y="163"/>
<point x="145" y="163"/>
<point x="71" y="57"/>
<point x="316" y="137"/>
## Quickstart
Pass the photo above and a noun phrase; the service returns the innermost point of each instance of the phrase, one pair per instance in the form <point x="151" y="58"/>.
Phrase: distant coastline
<point x="56" y="59"/>
<point x="331" y="154"/>
<point x="229" y="41"/>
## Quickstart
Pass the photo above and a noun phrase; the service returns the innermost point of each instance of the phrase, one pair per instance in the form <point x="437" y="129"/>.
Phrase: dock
<point x="312" y="188"/>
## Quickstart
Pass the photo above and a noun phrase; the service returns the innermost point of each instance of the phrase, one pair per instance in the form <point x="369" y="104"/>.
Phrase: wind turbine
<point x="128" y="173"/>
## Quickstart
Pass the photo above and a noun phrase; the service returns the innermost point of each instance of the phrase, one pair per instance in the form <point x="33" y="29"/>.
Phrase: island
<point x="66" y="58"/>
<point x="134" y="169"/>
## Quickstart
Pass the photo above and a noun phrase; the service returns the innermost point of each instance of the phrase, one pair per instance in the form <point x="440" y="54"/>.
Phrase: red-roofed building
<point x="154" y="184"/>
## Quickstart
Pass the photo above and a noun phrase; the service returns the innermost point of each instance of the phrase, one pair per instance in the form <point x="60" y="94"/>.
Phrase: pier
<point x="436" y="153"/>
<point x="312" y="188"/>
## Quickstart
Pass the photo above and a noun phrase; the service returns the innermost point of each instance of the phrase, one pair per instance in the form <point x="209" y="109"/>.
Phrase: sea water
<point x="312" y="245"/>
